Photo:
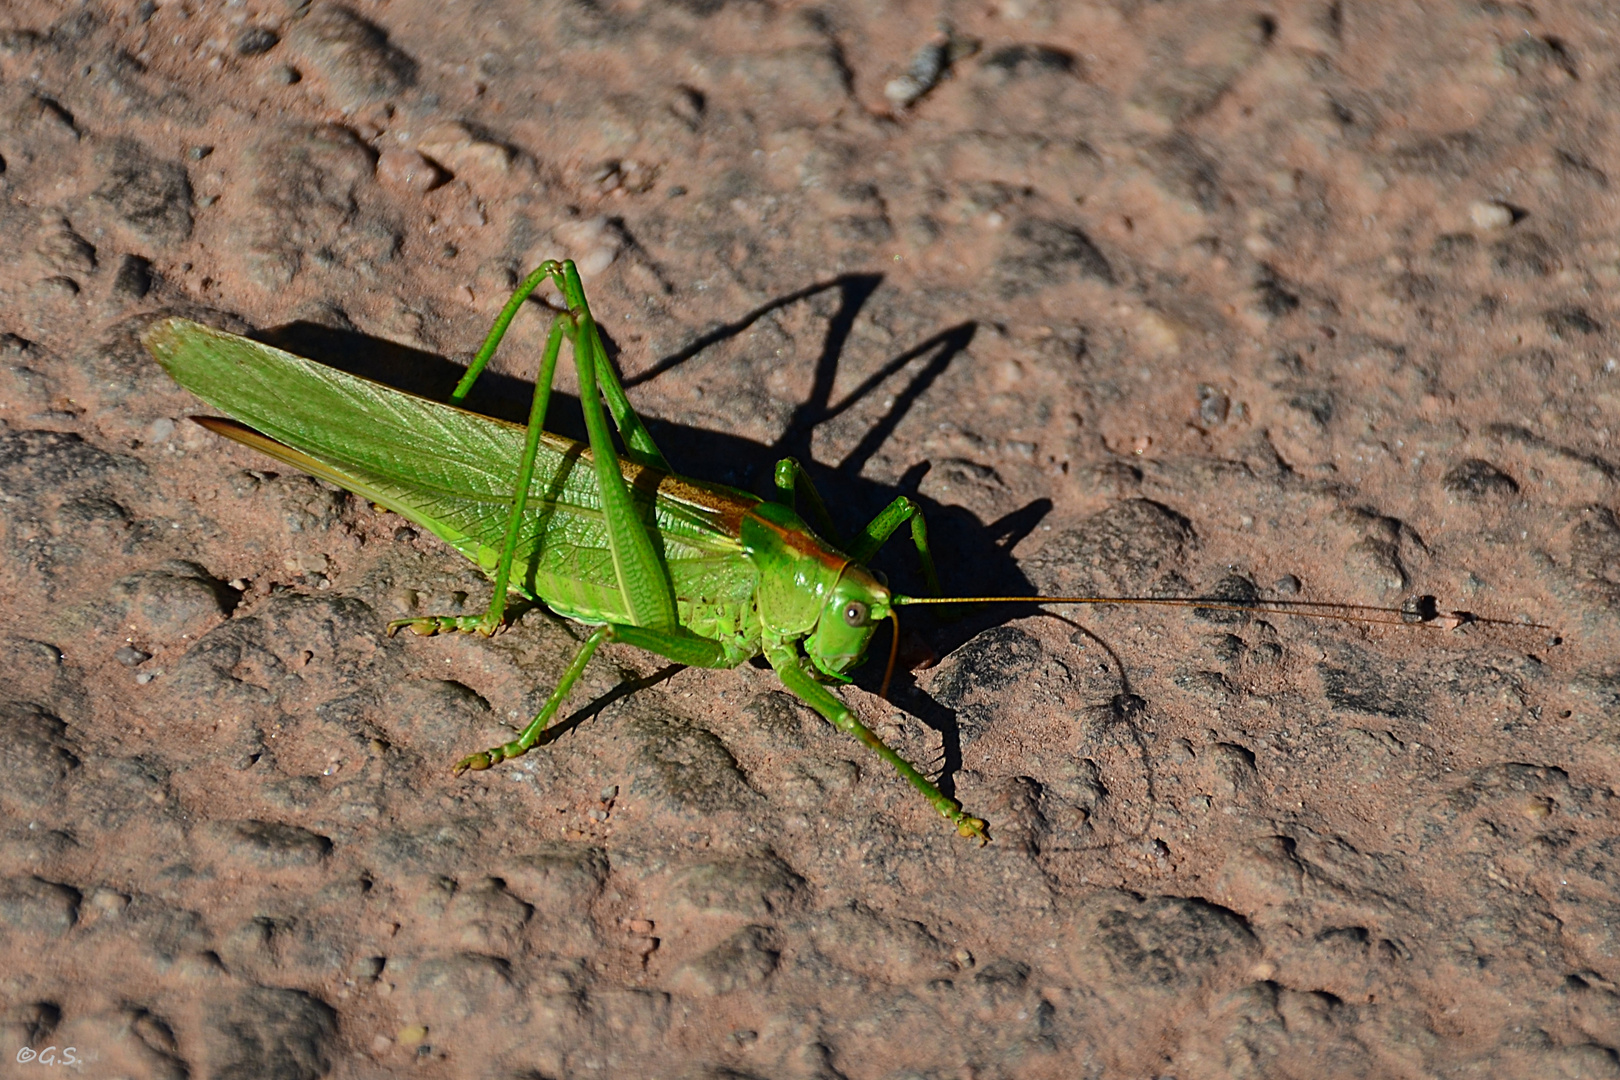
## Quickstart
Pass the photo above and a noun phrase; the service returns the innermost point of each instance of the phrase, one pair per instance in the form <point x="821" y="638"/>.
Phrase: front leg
<point x="785" y="660"/>
<point x="792" y="481"/>
<point x="880" y="528"/>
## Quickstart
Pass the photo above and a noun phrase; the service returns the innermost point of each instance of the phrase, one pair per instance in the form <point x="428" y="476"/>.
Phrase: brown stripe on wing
<point x="726" y="505"/>
<point x="805" y="544"/>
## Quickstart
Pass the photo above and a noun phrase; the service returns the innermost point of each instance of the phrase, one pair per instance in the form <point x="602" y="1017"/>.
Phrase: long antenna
<point x="1419" y="611"/>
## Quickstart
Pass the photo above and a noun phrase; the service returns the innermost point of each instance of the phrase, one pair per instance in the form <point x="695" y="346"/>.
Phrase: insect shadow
<point x="957" y="536"/>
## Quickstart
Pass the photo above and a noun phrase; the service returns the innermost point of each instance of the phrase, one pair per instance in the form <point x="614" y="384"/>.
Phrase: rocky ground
<point x="1308" y="300"/>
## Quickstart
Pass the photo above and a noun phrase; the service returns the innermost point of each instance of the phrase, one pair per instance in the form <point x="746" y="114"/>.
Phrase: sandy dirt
<point x="1300" y="301"/>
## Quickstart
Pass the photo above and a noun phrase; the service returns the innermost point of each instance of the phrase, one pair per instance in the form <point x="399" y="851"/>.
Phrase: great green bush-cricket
<point x="700" y="573"/>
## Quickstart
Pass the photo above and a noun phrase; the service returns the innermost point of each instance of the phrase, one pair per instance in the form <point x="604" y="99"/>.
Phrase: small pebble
<point x="1213" y="405"/>
<point x="928" y="66"/>
<point x="408" y="171"/>
<point x="368" y="967"/>
<point x="1418" y="609"/>
<point x="596" y="260"/>
<point x="130" y="656"/>
<point x="312" y="562"/>
<point x="688" y="105"/>
<point x="107" y="901"/>
<point x="1489" y="216"/>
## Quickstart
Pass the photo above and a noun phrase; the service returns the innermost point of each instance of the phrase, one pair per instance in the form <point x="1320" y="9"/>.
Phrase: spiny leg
<point x="644" y="585"/>
<point x="798" y="682"/>
<point x="682" y="646"/>
<point x="638" y="443"/>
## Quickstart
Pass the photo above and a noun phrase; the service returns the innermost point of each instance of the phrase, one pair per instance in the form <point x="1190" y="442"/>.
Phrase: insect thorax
<point x="796" y="570"/>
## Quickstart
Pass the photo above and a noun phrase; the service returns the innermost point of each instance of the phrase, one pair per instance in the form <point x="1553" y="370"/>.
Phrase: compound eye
<point x="855" y="613"/>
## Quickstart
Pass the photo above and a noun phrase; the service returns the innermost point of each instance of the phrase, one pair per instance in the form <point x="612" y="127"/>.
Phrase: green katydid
<point x="699" y="573"/>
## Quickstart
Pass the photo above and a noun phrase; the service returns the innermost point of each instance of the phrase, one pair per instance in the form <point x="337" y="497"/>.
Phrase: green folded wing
<point x="451" y="471"/>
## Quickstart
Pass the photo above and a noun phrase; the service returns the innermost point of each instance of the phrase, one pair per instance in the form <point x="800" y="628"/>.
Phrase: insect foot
<point x="429" y="625"/>
<point x="477" y="763"/>
<point x="973" y="828"/>
<point x="488" y="759"/>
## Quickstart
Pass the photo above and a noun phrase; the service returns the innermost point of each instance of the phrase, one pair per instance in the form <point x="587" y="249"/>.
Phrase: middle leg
<point x="681" y="646"/>
<point x="791" y="482"/>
